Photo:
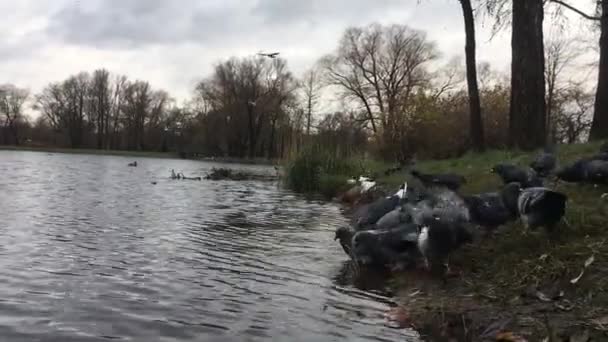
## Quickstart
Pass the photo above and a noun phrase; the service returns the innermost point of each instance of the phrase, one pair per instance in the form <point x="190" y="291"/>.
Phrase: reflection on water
<point x="93" y="251"/>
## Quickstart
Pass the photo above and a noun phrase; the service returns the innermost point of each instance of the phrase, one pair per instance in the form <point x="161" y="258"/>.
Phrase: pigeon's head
<point x="497" y="169"/>
<point x="402" y="192"/>
<point x="343" y="234"/>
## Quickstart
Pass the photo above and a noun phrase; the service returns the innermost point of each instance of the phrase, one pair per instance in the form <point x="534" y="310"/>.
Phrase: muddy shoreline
<point x="475" y="305"/>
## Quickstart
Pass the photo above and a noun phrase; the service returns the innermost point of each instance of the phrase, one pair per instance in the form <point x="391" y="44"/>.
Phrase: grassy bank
<point x="138" y="154"/>
<point x="523" y="277"/>
<point x="525" y="280"/>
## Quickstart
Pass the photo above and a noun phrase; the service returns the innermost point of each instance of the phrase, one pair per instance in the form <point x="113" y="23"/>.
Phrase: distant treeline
<point x="398" y="99"/>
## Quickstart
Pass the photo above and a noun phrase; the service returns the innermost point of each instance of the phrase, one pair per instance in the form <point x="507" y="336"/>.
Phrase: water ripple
<point x="93" y="252"/>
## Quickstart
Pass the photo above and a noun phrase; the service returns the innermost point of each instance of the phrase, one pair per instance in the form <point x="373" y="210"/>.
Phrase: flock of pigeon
<point x="433" y="219"/>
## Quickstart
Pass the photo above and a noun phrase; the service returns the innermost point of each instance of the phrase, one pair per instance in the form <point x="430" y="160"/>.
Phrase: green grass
<point x="497" y="270"/>
<point x="140" y="154"/>
<point x="504" y="266"/>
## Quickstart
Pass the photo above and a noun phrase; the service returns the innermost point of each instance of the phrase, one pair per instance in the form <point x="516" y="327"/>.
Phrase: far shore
<point x="136" y="154"/>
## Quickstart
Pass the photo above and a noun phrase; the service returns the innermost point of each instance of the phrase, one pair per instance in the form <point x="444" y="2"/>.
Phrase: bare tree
<point x="116" y="105"/>
<point x="573" y="114"/>
<point x="380" y="67"/>
<point x="248" y="97"/>
<point x="12" y="100"/>
<point x="527" y="124"/>
<point x="311" y="87"/>
<point x="476" y="124"/>
<point x="599" y="129"/>
<point x="559" y="54"/>
<point x="100" y="98"/>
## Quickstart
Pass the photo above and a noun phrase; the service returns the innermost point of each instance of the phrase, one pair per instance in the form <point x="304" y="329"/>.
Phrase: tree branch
<point x="574" y="9"/>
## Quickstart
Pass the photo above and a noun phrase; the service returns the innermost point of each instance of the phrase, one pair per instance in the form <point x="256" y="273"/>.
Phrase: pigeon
<point x="377" y="209"/>
<point x="345" y="236"/>
<point x="539" y="206"/>
<point x="439" y="236"/>
<point x="385" y="248"/>
<point x="596" y="171"/>
<point x="448" y="180"/>
<point x="585" y="170"/>
<point x="489" y="210"/>
<point x="604" y="147"/>
<point x="599" y="156"/>
<point x="545" y="162"/>
<point x="510" y="173"/>
<point x="443" y="222"/>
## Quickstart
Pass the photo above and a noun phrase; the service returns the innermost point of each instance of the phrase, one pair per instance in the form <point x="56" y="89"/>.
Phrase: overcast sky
<point x="173" y="43"/>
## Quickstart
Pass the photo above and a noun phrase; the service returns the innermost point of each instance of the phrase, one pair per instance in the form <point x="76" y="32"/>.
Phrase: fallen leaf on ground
<point x="495" y="328"/>
<point x="543" y="257"/>
<point x="542" y="297"/>
<point x="398" y="318"/>
<point x="565" y="305"/>
<point x="509" y="337"/>
<point x="588" y="263"/>
<point x="602" y="322"/>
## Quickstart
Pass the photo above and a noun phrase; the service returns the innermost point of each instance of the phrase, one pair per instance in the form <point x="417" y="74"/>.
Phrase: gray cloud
<point x="171" y="43"/>
<point x="136" y="23"/>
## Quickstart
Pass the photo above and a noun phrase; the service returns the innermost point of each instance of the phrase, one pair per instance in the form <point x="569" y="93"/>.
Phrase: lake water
<point x="91" y="250"/>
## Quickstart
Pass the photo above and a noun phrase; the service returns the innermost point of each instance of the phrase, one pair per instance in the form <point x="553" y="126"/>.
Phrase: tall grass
<point x="317" y="170"/>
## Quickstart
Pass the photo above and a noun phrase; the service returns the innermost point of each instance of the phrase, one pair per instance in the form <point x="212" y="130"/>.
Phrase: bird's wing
<point x="531" y="198"/>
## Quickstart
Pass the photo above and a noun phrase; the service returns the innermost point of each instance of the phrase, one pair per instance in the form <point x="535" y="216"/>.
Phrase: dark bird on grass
<point x="604" y="147"/>
<point x="545" y="162"/>
<point x="585" y="171"/>
<point x="493" y="209"/>
<point x="443" y="222"/>
<point x="133" y="164"/>
<point x="510" y="173"/>
<point x="386" y="248"/>
<point x="600" y="156"/>
<point x="440" y="235"/>
<point x="380" y="207"/>
<point x="272" y="55"/>
<point x="538" y="207"/>
<point x="448" y="180"/>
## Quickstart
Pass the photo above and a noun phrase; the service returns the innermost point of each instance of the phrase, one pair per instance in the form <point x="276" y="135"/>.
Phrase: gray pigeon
<point x="489" y="210"/>
<point x="587" y="170"/>
<point x="539" y="207"/>
<point x="385" y="248"/>
<point x="545" y="162"/>
<point x="510" y="173"/>
<point x="377" y="209"/>
<point x="345" y="236"/>
<point x="443" y="222"/>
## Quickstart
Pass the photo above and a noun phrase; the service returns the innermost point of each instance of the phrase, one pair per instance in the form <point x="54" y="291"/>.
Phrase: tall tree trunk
<point x="476" y="129"/>
<point x="527" y="125"/>
<point x="599" y="128"/>
<point x="309" y="116"/>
